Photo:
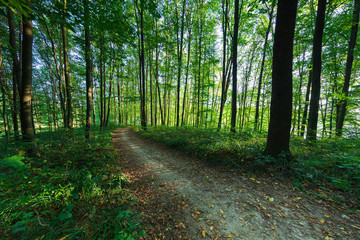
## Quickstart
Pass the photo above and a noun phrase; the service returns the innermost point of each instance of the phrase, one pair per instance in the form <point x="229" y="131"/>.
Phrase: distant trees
<point x="98" y="63"/>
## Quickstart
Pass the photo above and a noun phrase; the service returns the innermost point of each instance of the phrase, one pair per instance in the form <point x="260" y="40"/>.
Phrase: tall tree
<point x="179" y="52"/>
<point x="340" y="118"/>
<point x="67" y="69"/>
<point x="278" y="138"/>
<point x="15" y="70"/>
<point x="89" y="88"/>
<point x="3" y="94"/>
<point x="316" y="71"/>
<point x="234" y="54"/>
<point x="26" y="83"/>
<point x="225" y="80"/>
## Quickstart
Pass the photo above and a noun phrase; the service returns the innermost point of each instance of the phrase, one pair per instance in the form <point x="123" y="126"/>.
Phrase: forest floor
<point x="180" y="197"/>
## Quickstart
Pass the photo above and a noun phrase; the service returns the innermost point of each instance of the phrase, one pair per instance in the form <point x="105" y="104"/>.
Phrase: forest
<point x="267" y="87"/>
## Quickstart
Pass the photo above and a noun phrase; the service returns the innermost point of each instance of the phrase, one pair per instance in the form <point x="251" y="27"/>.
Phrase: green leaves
<point x="49" y="200"/>
<point x="14" y="161"/>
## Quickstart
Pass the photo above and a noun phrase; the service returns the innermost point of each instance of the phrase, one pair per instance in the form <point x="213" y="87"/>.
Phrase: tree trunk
<point x="110" y="91"/>
<point x="89" y="87"/>
<point x="67" y="72"/>
<point x="151" y="88"/>
<point x="256" y="123"/>
<point x="26" y="85"/>
<point x="281" y="97"/>
<point x="234" y="80"/>
<point x="316" y="71"/>
<point x="199" y="70"/>
<point x="180" y="51"/>
<point x="2" y="88"/>
<point x="142" y="66"/>
<point x="15" y="71"/>
<point x="340" y="118"/>
<point x="119" y="96"/>
<point x="225" y="9"/>
<point x="186" y="77"/>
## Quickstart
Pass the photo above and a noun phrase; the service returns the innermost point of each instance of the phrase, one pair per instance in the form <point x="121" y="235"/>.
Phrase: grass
<point x="73" y="189"/>
<point x="331" y="164"/>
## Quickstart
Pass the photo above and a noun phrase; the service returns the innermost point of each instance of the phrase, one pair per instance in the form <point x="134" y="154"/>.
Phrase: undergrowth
<point x="331" y="164"/>
<point x="73" y="189"/>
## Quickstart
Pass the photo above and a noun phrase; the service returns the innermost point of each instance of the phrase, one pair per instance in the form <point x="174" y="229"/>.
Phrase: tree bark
<point x="234" y="80"/>
<point x="89" y="87"/>
<point x="225" y="8"/>
<point x="316" y="71"/>
<point x="15" y="71"/>
<point x="256" y="122"/>
<point x="26" y="85"/>
<point x="340" y="118"/>
<point x="142" y="66"/>
<point x="180" y="52"/>
<point x="2" y="88"/>
<point x="186" y="78"/>
<point x="281" y="97"/>
<point x="67" y="71"/>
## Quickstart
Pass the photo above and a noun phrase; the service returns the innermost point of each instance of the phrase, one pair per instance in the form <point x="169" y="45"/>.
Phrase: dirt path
<point x="182" y="198"/>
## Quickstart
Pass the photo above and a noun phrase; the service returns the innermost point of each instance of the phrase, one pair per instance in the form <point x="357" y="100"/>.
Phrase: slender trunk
<point x="340" y="118"/>
<point x="306" y="107"/>
<point x="256" y="123"/>
<point x="89" y="88"/>
<point x="225" y="8"/>
<point x="119" y="96"/>
<point x="67" y="71"/>
<point x="142" y="65"/>
<point x="316" y="71"/>
<point x="186" y="77"/>
<point x="199" y="67"/>
<point x="101" y="91"/>
<point x="15" y="71"/>
<point x="157" y="77"/>
<point x="110" y="91"/>
<point x="2" y="88"/>
<point x="151" y="89"/>
<point x="234" y="80"/>
<point x="180" y="52"/>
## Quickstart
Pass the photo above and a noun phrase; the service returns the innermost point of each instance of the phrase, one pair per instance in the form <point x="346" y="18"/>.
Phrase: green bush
<point x="73" y="189"/>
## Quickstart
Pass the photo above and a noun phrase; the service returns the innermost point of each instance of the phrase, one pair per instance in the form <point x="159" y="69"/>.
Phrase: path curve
<point x="183" y="198"/>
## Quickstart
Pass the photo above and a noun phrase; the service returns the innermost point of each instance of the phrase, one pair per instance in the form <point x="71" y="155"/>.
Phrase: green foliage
<point x="334" y="162"/>
<point x="73" y="190"/>
<point x="210" y="145"/>
<point x="14" y="161"/>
